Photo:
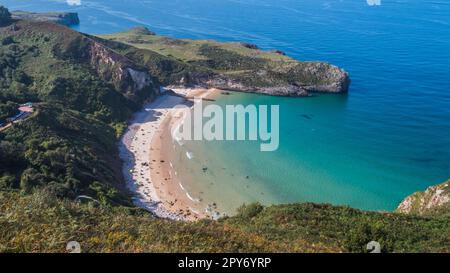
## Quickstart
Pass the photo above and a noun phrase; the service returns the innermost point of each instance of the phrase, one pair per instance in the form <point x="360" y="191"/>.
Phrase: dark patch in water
<point x="423" y="159"/>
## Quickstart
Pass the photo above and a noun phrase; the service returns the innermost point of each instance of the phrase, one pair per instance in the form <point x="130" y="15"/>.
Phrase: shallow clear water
<point x="388" y="137"/>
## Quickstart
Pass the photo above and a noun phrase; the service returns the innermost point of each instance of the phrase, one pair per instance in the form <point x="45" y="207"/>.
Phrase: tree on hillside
<point x="5" y="15"/>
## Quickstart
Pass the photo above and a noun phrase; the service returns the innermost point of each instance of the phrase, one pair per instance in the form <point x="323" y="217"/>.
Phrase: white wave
<point x="191" y="198"/>
<point x="74" y="2"/>
<point x="193" y="210"/>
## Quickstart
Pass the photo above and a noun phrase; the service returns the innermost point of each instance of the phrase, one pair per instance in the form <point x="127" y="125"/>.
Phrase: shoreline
<point x="144" y="151"/>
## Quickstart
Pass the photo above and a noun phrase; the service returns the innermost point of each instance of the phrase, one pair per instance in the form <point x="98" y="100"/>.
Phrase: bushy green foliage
<point x="64" y="150"/>
<point x="68" y="145"/>
<point x="250" y="211"/>
<point x="7" y="110"/>
<point x="347" y="228"/>
<point x="198" y="61"/>
<point x="41" y="223"/>
<point x="218" y="58"/>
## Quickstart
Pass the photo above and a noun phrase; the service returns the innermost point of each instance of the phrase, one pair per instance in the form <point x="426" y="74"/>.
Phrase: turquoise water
<point x="389" y="137"/>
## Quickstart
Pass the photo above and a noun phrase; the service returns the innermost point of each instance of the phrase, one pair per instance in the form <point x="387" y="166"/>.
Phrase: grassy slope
<point x="41" y="223"/>
<point x="187" y="50"/>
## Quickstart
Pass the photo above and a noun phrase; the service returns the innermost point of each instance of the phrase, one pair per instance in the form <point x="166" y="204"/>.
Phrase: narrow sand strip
<point x="148" y="175"/>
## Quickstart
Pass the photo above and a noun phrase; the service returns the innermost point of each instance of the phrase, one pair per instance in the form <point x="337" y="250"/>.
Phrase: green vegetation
<point x="63" y="151"/>
<point x="68" y="145"/>
<point x="344" y="227"/>
<point x="41" y="223"/>
<point x="7" y="109"/>
<point x="230" y="65"/>
<point x="83" y="96"/>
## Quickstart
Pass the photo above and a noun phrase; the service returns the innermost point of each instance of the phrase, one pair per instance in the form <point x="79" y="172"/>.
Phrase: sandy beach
<point x="144" y="150"/>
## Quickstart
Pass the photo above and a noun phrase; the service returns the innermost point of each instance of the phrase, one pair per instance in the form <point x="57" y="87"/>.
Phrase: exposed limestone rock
<point x="433" y="199"/>
<point x="125" y="75"/>
<point x="141" y="79"/>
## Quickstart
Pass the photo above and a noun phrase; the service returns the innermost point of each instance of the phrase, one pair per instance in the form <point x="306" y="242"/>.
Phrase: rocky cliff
<point x="328" y="79"/>
<point x="435" y="199"/>
<point x="66" y="45"/>
<point x="63" y="18"/>
<point x="132" y="80"/>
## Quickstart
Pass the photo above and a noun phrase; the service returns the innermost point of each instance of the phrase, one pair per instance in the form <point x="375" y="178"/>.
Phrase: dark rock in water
<point x="142" y="31"/>
<point x="249" y="45"/>
<point x="62" y="18"/>
<point x="277" y="51"/>
<point x="423" y="159"/>
<point x="225" y="93"/>
<point x="5" y="16"/>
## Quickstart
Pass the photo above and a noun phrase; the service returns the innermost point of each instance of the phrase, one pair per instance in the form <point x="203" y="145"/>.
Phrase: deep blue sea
<point x="389" y="137"/>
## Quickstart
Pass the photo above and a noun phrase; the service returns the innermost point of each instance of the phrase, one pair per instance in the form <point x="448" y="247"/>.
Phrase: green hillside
<point x="84" y="90"/>
<point x="82" y="105"/>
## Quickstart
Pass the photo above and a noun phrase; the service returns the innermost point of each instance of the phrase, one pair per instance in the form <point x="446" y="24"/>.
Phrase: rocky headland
<point x="434" y="200"/>
<point x="233" y="66"/>
<point x="63" y="18"/>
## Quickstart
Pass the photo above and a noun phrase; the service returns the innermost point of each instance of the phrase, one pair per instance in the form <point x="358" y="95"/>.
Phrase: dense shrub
<point x="286" y="228"/>
<point x="69" y="144"/>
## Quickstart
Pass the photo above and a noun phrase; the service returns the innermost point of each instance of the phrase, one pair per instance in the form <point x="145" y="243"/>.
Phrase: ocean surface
<point x="389" y="137"/>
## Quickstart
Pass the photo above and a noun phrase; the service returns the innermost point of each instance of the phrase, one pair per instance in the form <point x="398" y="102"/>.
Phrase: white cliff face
<point x="438" y="196"/>
<point x="141" y="79"/>
<point x="432" y="198"/>
<point x="120" y="71"/>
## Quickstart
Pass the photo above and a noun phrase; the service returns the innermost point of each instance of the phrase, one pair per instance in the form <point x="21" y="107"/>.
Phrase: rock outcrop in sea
<point x="63" y="18"/>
